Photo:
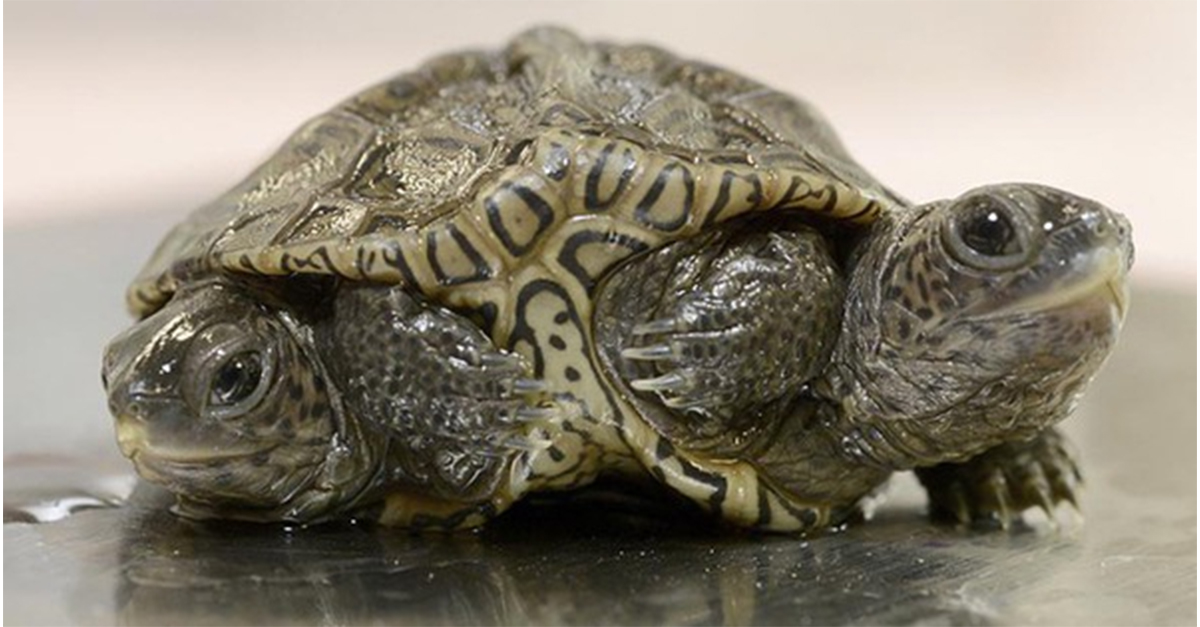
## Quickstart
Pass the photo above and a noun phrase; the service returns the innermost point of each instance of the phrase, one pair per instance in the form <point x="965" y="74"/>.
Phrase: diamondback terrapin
<point x="518" y="271"/>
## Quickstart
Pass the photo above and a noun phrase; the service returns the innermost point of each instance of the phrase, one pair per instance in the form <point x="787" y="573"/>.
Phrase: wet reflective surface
<point x="85" y="545"/>
<point x="597" y="559"/>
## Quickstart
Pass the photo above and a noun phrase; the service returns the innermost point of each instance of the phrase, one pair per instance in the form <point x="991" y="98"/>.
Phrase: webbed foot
<point x="993" y="489"/>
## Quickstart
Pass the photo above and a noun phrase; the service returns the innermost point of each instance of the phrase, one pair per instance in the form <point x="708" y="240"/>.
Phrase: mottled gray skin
<point x="938" y="358"/>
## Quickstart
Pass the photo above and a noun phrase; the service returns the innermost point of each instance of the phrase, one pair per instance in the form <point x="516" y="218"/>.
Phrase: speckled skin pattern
<point x="518" y="271"/>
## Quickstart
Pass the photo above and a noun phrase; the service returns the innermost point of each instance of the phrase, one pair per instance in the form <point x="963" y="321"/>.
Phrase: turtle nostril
<point x="1122" y="226"/>
<point x="1103" y="225"/>
<point x="122" y="407"/>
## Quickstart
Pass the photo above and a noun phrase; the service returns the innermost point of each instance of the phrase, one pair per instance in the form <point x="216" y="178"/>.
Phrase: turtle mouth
<point x="1096" y="280"/>
<point x="131" y="439"/>
<point x="134" y="444"/>
<point x="1118" y="291"/>
<point x="202" y="477"/>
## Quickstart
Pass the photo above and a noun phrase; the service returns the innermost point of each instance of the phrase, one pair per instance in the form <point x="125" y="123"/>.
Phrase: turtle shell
<point x="506" y="186"/>
<point x="460" y="175"/>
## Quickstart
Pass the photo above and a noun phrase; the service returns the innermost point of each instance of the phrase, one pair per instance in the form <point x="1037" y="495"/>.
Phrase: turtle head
<point x="217" y="398"/>
<point x="980" y="320"/>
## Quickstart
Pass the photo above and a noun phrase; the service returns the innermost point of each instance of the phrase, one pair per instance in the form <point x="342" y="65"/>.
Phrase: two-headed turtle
<point x="518" y="271"/>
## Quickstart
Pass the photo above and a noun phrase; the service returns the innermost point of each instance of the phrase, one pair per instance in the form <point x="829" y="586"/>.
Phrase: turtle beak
<point x="1118" y="290"/>
<point x="139" y="406"/>
<point x="128" y="400"/>
<point x="142" y="382"/>
<point x="128" y="375"/>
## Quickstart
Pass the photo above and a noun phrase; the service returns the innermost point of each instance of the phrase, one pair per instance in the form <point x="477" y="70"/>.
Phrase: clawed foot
<point x="995" y="488"/>
<point x="526" y="399"/>
<point x="505" y="370"/>
<point x="688" y="357"/>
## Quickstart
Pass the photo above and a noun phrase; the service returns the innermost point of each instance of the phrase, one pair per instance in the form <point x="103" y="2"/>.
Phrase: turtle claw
<point x="655" y="327"/>
<point x="530" y="386"/>
<point x="500" y="361"/>
<point x="655" y="352"/>
<point x="1035" y="489"/>
<point x="1003" y="511"/>
<point x="672" y="382"/>
<point x="676" y="354"/>
<point x="686" y="402"/>
<point x="956" y="505"/>
<point x="530" y="414"/>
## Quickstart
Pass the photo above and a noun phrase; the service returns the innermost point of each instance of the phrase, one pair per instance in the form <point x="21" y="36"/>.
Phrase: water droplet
<point x="41" y="488"/>
<point x="55" y="509"/>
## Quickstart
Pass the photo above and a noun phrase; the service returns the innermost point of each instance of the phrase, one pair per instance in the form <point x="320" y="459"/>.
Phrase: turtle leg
<point x="991" y="489"/>
<point x="454" y="409"/>
<point x="717" y="326"/>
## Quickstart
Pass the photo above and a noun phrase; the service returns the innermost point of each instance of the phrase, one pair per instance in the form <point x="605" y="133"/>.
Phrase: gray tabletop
<point x="86" y="545"/>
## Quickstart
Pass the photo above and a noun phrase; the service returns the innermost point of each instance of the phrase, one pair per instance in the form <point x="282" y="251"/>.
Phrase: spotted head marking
<point x="217" y="398"/>
<point x="978" y="320"/>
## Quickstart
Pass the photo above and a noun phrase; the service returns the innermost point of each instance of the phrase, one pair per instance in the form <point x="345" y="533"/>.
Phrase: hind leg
<point x="995" y="487"/>
<point x="717" y="327"/>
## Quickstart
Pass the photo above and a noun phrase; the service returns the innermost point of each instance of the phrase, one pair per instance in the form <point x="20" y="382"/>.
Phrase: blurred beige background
<point x="158" y="106"/>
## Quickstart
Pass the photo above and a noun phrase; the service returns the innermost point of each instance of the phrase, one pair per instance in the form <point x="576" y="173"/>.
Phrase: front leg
<point x="716" y="327"/>
<point x="453" y="409"/>
<point x="993" y="488"/>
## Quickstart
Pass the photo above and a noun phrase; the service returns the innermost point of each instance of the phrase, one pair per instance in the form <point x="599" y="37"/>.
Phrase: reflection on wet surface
<point x="594" y="558"/>
<point x="567" y="564"/>
<point x="599" y="558"/>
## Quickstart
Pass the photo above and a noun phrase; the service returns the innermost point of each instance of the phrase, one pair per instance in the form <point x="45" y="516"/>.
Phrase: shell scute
<point x="457" y="255"/>
<point x="588" y="245"/>
<point x="419" y="169"/>
<point x="519" y="212"/>
<point x="610" y="167"/>
<point x="670" y="200"/>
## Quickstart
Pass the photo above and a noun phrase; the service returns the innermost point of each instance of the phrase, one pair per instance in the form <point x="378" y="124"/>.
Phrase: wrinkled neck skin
<point x="955" y="388"/>
<point x="364" y="465"/>
<point x="350" y="477"/>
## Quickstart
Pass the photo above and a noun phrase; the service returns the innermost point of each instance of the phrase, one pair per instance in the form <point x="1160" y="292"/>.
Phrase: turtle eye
<point x="990" y="233"/>
<point x="236" y="379"/>
<point x="985" y="233"/>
